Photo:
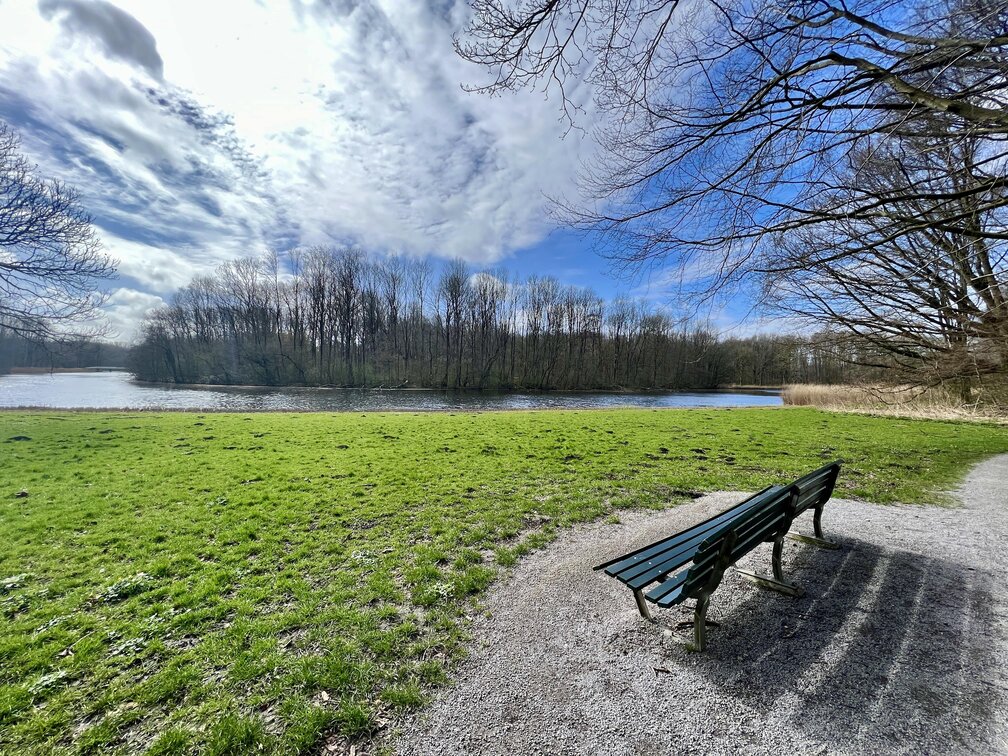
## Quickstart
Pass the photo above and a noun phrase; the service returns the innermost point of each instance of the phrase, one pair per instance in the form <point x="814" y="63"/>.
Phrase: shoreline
<point x="754" y="390"/>
<point x="391" y="410"/>
<point x="464" y="391"/>
<point x="50" y="371"/>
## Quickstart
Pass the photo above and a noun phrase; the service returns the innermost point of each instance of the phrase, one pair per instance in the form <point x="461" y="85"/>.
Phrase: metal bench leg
<point x="818" y="539"/>
<point x="777" y="582"/>
<point x="642" y="606"/>
<point x="700" y="622"/>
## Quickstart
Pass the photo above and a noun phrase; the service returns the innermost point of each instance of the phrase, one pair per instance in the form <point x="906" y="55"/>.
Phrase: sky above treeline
<point x="200" y="131"/>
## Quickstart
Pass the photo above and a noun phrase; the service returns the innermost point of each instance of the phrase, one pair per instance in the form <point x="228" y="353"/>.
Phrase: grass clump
<point x="184" y="583"/>
<point x="235" y="735"/>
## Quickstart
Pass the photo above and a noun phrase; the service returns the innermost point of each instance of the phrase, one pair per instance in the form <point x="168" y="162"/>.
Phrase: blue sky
<point x="201" y="131"/>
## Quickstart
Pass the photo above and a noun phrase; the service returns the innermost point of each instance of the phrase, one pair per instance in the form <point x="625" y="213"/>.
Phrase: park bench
<point x="692" y="563"/>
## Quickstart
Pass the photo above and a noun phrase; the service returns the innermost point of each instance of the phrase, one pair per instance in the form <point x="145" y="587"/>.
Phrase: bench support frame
<point x="776" y="582"/>
<point x="642" y="606"/>
<point x="704" y="594"/>
<point x="700" y="621"/>
<point x="822" y="543"/>
<point x="819" y="539"/>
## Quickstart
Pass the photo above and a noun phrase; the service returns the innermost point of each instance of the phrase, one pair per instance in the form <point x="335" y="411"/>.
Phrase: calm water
<point x="114" y="390"/>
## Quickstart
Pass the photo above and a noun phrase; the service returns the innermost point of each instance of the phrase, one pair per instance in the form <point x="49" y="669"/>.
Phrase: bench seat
<point x="645" y="565"/>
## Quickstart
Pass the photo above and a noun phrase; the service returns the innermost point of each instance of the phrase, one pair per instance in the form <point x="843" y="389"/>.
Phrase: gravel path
<point x="900" y="644"/>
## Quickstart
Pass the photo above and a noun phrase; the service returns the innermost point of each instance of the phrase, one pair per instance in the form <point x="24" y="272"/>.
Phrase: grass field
<point x="225" y="584"/>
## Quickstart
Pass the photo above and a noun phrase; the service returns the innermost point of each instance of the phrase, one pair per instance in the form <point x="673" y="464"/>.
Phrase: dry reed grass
<point x="936" y="403"/>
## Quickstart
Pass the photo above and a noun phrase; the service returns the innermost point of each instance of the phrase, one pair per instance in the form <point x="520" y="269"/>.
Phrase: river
<point x="117" y="390"/>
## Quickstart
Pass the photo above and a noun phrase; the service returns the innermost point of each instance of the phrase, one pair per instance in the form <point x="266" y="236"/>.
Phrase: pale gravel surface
<point x="899" y="645"/>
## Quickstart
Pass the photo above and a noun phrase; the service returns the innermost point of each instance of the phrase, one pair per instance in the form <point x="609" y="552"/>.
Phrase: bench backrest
<point x="814" y="489"/>
<point x="686" y="541"/>
<point x="768" y="519"/>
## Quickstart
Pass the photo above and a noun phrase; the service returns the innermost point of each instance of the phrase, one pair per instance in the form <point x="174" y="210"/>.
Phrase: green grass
<point x="181" y="583"/>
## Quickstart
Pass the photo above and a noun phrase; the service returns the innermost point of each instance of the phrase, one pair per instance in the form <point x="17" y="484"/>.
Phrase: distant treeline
<point x="327" y="316"/>
<point x="21" y="350"/>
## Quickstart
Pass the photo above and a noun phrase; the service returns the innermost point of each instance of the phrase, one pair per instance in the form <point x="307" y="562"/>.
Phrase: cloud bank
<point x="198" y="132"/>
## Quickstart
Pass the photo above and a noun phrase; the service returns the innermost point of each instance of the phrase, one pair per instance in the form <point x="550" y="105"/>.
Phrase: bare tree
<point x="419" y="271"/>
<point x="726" y="119"/>
<point x="392" y="275"/>
<point x="927" y="296"/>
<point x="330" y="320"/>
<point x="454" y="292"/>
<point x="734" y="130"/>
<point x="51" y="259"/>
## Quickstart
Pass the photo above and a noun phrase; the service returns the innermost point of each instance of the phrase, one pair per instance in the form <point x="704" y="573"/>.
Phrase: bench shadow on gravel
<point x="884" y="644"/>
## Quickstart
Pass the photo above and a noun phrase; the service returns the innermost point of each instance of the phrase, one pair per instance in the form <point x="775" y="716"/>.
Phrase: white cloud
<point x="125" y="311"/>
<point x="117" y="33"/>
<point x="162" y="268"/>
<point x="233" y="127"/>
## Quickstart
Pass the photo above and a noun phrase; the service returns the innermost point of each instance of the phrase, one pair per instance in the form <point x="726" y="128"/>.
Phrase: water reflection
<point x="113" y="390"/>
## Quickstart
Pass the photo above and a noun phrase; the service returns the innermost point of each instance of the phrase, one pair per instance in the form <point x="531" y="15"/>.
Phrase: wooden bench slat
<point x="647" y="573"/>
<point x="812" y="477"/>
<point x="812" y="497"/>
<point x="747" y="541"/>
<point x="774" y="505"/>
<point x="814" y="481"/>
<point x="698" y="575"/>
<point x="809" y="501"/>
<point x="675" y="594"/>
<point x="639" y="575"/>
<point x="615" y="566"/>
<point x="664" y="588"/>
<point x="827" y="468"/>
<point x="669" y="554"/>
<point x="816" y="487"/>
<point x="767" y="528"/>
